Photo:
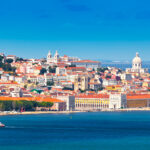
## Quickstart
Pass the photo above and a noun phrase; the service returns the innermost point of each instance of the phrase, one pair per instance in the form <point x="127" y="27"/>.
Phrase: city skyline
<point x="111" y="30"/>
<point x="101" y="60"/>
<point x="74" y="74"/>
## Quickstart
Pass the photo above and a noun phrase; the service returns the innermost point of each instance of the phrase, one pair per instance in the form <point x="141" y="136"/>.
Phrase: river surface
<point x="78" y="131"/>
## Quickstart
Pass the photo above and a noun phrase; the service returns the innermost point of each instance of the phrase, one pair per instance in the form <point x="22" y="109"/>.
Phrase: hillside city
<point x="64" y="83"/>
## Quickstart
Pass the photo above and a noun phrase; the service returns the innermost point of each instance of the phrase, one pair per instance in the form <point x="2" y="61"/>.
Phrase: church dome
<point x="137" y="59"/>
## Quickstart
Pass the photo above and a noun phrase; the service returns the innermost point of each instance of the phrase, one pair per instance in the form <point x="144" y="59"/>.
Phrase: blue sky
<point x="93" y="29"/>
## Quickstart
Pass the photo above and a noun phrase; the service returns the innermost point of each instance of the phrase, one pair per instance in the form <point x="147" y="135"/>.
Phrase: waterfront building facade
<point x="117" y="101"/>
<point x="92" y="102"/>
<point x="69" y="100"/>
<point x="100" y="101"/>
<point x="138" y="100"/>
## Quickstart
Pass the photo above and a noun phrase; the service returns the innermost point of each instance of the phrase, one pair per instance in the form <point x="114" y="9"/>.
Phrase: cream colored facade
<point x="51" y="59"/>
<point x="81" y="82"/>
<point x="137" y="65"/>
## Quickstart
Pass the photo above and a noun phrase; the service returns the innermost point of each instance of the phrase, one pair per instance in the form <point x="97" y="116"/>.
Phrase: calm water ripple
<point x="81" y="131"/>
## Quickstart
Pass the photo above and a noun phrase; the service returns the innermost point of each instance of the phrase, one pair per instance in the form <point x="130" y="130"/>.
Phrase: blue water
<point x="81" y="131"/>
<point x="124" y="66"/>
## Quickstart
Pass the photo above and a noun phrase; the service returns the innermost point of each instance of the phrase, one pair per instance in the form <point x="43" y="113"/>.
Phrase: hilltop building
<point x="59" y="59"/>
<point x="13" y="57"/>
<point x="137" y="65"/>
<point x="51" y="59"/>
<point x="87" y="64"/>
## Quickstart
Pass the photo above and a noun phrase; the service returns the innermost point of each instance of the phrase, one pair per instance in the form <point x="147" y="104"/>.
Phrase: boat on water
<point x="1" y="125"/>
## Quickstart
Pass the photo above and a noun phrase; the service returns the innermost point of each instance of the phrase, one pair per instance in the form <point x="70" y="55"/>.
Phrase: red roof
<point x="138" y="96"/>
<point x="93" y="96"/>
<point x="70" y="68"/>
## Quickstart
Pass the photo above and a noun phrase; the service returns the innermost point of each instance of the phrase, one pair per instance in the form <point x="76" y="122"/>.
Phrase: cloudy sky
<point x="93" y="29"/>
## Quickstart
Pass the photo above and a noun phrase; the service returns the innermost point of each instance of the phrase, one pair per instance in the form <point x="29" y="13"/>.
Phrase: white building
<point x="137" y="65"/>
<point x="41" y="80"/>
<point x="70" y="101"/>
<point x="87" y="64"/>
<point x="5" y="77"/>
<point x="60" y="70"/>
<point x="127" y="77"/>
<point x="66" y="58"/>
<point x="107" y="82"/>
<point x="20" y="79"/>
<point x="117" y="101"/>
<point x="17" y="92"/>
<point x="51" y="59"/>
<point x="56" y="57"/>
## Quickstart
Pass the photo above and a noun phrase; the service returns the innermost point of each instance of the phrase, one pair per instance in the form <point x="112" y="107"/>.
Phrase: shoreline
<point x="70" y="112"/>
<point x="38" y="112"/>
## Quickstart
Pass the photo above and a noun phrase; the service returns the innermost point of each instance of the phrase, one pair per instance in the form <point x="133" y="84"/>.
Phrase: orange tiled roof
<point x="45" y="99"/>
<point x="70" y="68"/>
<point x="38" y="68"/>
<point x="138" y="96"/>
<point x="8" y="83"/>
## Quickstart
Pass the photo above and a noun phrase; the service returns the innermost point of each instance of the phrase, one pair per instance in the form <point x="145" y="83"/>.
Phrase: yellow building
<point x="113" y="88"/>
<point x="146" y="84"/>
<point x="92" y="102"/>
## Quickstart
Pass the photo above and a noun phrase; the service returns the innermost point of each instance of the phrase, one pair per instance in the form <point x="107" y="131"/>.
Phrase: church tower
<point x="49" y="57"/>
<point x="56" y="57"/>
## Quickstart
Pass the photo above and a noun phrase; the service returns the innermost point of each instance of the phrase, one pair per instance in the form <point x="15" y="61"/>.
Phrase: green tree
<point x="7" y="106"/>
<point x="1" y="58"/>
<point x="19" y="59"/>
<point x="72" y="65"/>
<point x="42" y="71"/>
<point x="25" y="86"/>
<point x="27" y="105"/>
<point x="82" y="91"/>
<point x="102" y="69"/>
<point x="45" y="104"/>
<point x="50" y="83"/>
<point x="67" y="88"/>
<point x="18" y="105"/>
<point x="108" y="77"/>
<point x="29" y="81"/>
<point x="9" y="61"/>
<point x="52" y="69"/>
<point x="100" y="89"/>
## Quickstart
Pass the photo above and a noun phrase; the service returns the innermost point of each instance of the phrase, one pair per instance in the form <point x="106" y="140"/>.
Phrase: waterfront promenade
<point x="70" y="112"/>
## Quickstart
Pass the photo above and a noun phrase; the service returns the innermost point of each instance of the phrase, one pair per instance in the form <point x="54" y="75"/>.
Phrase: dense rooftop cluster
<point x="56" y="77"/>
